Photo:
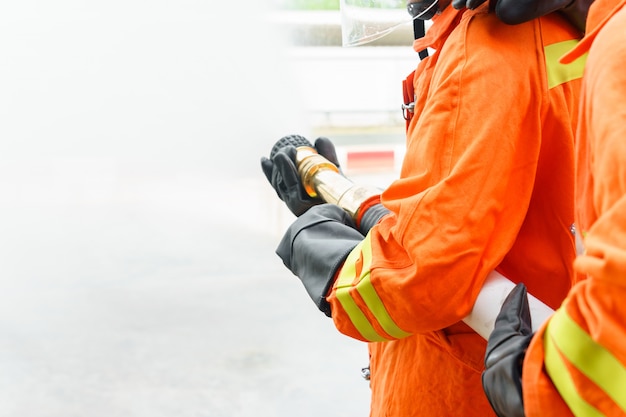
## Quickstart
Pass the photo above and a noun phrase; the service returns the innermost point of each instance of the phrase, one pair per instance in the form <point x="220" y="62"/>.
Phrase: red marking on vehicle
<point x="372" y="160"/>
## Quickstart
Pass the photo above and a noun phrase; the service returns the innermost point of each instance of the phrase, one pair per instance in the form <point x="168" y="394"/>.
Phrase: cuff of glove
<point x="370" y="213"/>
<point x="315" y="247"/>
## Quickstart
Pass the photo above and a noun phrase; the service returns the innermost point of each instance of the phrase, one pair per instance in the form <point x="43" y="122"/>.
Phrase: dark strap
<point x="419" y="30"/>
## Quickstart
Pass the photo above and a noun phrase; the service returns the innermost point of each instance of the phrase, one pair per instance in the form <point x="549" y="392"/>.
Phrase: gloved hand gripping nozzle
<point x="322" y="178"/>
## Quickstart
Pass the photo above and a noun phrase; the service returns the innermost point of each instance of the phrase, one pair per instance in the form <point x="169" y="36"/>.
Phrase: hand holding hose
<point x="281" y="170"/>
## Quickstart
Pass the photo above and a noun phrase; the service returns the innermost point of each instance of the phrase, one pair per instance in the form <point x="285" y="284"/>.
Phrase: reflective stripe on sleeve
<point x="561" y="73"/>
<point x="348" y="278"/>
<point x="567" y="341"/>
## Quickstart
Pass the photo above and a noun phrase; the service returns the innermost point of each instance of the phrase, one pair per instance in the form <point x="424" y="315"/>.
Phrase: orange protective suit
<point x="487" y="183"/>
<point x="576" y="363"/>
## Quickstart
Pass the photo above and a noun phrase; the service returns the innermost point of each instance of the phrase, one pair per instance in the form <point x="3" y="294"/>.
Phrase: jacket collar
<point x="443" y="24"/>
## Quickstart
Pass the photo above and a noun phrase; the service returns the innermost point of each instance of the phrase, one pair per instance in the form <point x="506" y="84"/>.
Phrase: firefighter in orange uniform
<point x="576" y="362"/>
<point x="487" y="183"/>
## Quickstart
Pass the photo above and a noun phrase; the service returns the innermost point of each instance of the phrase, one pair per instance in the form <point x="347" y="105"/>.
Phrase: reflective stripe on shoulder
<point x="561" y="73"/>
<point x="356" y="274"/>
<point x="567" y="341"/>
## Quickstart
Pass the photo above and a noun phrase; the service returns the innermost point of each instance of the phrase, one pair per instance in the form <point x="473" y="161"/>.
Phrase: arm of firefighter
<point x="455" y="217"/>
<point x="315" y="246"/>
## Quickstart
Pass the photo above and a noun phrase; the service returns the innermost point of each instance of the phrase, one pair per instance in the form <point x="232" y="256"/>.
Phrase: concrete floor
<point x="163" y="308"/>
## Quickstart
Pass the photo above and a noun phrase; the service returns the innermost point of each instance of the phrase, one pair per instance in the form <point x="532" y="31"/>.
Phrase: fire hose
<point x="321" y="178"/>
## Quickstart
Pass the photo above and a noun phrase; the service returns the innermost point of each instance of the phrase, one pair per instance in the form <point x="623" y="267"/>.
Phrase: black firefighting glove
<point x="514" y="12"/>
<point x="470" y="4"/>
<point x="282" y="173"/>
<point x="506" y="348"/>
<point x="576" y="12"/>
<point x="315" y="246"/>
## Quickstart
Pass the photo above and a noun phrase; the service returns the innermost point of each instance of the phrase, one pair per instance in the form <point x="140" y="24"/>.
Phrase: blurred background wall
<point x="137" y="233"/>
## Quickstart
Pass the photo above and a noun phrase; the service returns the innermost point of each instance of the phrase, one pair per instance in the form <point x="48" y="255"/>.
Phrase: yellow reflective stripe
<point x="345" y="281"/>
<point x="561" y="73"/>
<point x="589" y="357"/>
<point x="556" y="368"/>
<point x="371" y="298"/>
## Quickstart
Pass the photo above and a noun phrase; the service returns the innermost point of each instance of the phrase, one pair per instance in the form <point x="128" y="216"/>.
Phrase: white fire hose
<point x="490" y="299"/>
